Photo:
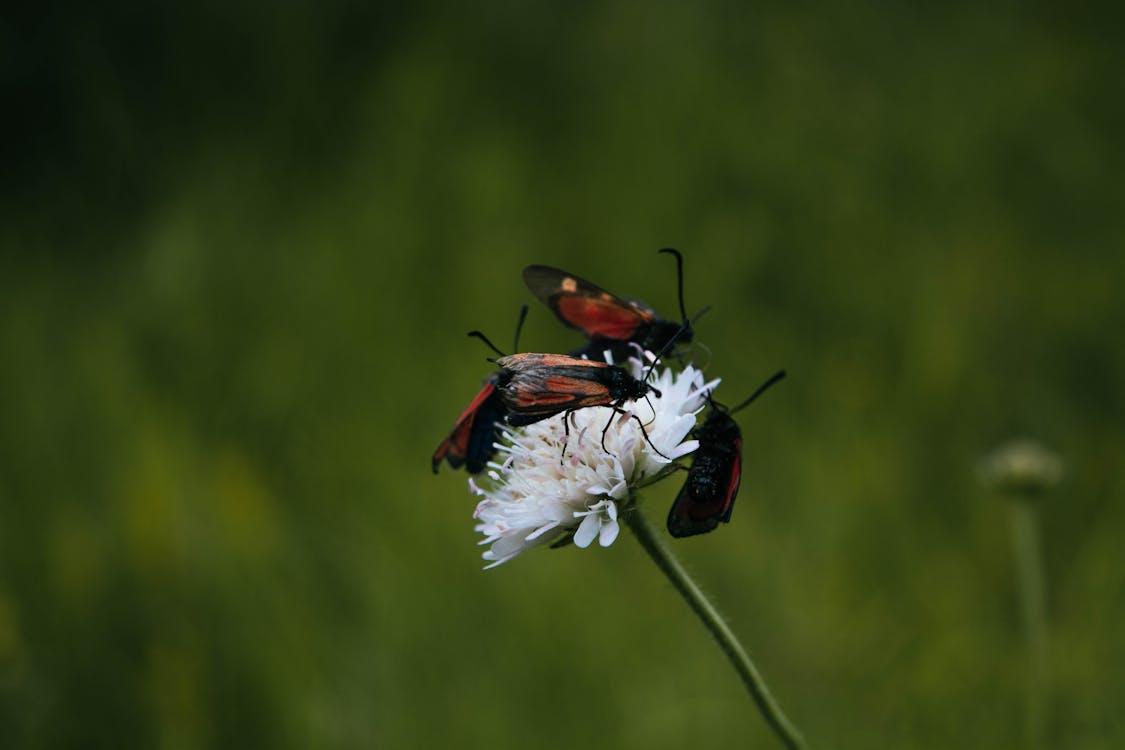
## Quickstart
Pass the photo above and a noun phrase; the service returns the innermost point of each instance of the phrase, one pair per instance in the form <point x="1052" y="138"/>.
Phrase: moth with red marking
<point x="471" y="441"/>
<point x="610" y="322"/>
<point x="534" y="386"/>
<point x="708" y="495"/>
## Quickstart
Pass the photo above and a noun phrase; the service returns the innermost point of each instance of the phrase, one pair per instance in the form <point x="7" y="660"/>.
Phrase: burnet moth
<point x="534" y="387"/>
<point x="470" y="443"/>
<point x="707" y="497"/>
<point x="610" y="322"/>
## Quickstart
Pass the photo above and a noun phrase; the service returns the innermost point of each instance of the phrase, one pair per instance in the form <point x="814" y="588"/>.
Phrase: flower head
<point x="1021" y="467"/>
<point x="558" y="480"/>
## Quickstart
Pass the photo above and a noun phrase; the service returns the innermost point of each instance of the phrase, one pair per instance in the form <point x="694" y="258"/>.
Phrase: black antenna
<point x="519" y="327"/>
<point x="664" y="350"/>
<point x="482" y="337"/>
<point x="679" y="278"/>
<point x="515" y="344"/>
<point x="761" y="389"/>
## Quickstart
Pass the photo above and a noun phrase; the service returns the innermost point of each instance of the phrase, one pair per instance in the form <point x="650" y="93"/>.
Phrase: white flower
<point x="540" y="494"/>
<point x="1021" y="466"/>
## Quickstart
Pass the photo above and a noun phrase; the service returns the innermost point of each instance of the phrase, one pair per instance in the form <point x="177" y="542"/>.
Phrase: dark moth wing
<point x="472" y="440"/>
<point x="470" y="443"/>
<point x="586" y="307"/>
<point x="708" y="495"/>
<point x="538" y="386"/>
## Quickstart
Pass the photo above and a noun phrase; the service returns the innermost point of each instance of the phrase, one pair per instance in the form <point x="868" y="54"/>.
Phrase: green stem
<point x="646" y="534"/>
<point x="1029" y="569"/>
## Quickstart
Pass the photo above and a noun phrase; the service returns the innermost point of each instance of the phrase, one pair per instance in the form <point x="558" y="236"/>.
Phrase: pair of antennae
<point x="515" y="342"/>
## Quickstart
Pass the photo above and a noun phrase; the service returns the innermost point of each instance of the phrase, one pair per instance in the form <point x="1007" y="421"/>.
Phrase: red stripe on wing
<point x="599" y="317"/>
<point x="455" y="447"/>
<point x="735" y="481"/>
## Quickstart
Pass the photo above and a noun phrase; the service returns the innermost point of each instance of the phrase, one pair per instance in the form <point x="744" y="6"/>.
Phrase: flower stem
<point x="660" y="553"/>
<point x="1029" y="564"/>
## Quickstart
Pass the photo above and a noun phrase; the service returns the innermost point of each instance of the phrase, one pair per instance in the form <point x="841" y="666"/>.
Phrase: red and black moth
<point x="471" y="441"/>
<point x="535" y="386"/>
<point x="708" y="495"/>
<point x="610" y="322"/>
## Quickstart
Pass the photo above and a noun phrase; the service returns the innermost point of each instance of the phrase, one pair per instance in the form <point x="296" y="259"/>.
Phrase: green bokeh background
<point x="241" y="248"/>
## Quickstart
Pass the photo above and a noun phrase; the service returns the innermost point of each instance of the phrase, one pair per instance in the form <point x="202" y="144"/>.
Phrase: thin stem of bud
<point x="1033" y="606"/>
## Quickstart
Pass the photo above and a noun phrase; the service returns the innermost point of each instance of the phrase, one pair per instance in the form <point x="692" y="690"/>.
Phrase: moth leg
<point x="618" y="410"/>
<point x="647" y="439"/>
<point x="566" y="433"/>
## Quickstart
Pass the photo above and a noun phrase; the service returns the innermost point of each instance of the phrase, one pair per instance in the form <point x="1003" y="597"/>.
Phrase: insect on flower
<point x="470" y="442"/>
<point x="534" y="386"/>
<point x="533" y="499"/>
<point x="708" y="495"/>
<point x="609" y="321"/>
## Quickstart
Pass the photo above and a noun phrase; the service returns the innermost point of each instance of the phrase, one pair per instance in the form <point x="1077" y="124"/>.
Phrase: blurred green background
<point x="241" y="247"/>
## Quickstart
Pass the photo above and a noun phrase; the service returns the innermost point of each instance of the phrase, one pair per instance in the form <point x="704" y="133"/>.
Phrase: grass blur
<point x="239" y="251"/>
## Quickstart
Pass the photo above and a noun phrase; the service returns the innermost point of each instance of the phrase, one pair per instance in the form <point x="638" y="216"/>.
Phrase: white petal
<point x="686" y="447"/>
<point x="541" y="530"/>
<point x="608" y="533"/>
<point x="587" y="530"/>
